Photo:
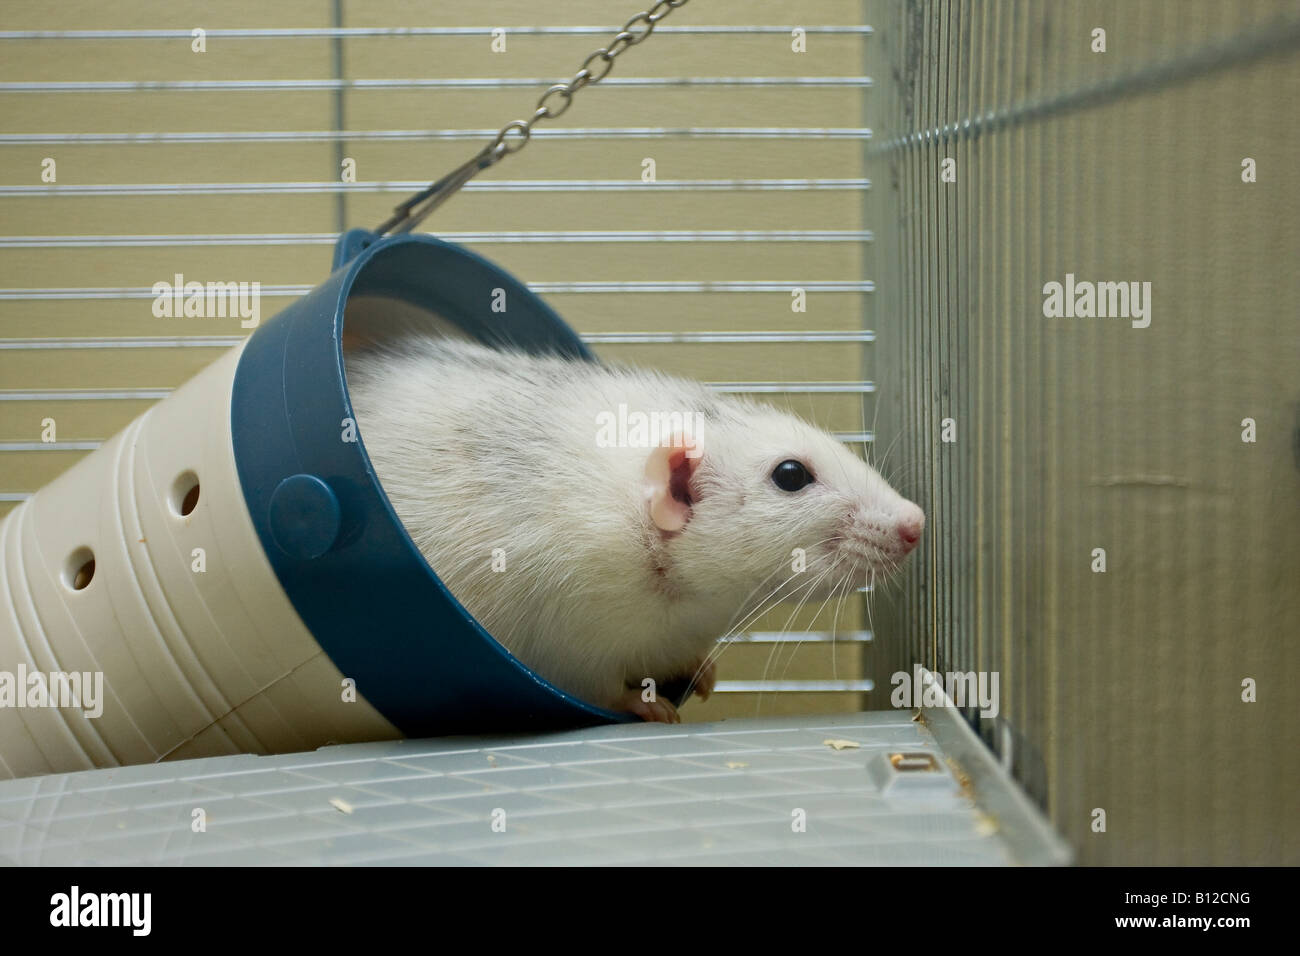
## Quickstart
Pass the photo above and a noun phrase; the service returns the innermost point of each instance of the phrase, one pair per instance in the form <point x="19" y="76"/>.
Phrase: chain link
<point x="625" y="38"/>
<point x="515" y="135"/>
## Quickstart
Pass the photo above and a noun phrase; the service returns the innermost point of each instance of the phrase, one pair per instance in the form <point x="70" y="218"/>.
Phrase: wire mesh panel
<point x="674" y="216"/>
<point x="1089" y="347"/>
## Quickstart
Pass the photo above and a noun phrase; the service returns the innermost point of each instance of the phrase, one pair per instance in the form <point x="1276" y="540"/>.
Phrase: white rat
<point x="618" y="560"/>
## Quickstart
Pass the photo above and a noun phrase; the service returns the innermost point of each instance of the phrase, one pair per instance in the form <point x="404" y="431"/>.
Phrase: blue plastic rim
<point x="337" y="547"/>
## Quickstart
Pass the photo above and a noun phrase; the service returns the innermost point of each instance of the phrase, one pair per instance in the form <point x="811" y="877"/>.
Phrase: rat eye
<point x="791" y="475"/>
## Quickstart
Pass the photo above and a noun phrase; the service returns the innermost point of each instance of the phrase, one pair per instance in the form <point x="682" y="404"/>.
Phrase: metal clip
<point x="416" y="209"/>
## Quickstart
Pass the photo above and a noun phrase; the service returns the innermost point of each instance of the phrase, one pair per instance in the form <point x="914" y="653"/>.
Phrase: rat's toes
<point x="655" y="711"/>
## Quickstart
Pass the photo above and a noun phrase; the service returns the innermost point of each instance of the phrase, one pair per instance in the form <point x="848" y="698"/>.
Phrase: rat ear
<point x="668" y="473"/>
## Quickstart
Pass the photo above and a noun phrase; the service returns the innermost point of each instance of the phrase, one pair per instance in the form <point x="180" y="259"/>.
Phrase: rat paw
<point x="706" y="678"/>
<point x="658" y="710"/>
<point x="700" y="678"/>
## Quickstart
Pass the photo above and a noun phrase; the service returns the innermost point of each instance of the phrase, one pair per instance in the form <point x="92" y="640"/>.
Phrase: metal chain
<point x="551" y="105"/>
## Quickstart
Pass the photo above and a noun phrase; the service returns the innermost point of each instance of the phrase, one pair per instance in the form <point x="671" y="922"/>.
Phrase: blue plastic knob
<point x="304" y="516"/>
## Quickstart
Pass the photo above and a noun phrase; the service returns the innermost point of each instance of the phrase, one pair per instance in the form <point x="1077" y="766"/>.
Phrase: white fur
<point x="479" y="449"/>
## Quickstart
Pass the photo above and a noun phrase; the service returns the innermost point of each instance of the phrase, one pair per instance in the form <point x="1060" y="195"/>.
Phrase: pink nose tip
<point x="910" y="526"/>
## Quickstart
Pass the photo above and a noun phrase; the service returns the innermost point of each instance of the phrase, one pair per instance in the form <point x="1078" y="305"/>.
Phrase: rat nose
<point x="911" y="521"/>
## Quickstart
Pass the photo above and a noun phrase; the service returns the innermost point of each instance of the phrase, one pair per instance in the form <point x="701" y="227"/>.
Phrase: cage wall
<point x="1121" y="690"/>
<point x="228" y="165"/>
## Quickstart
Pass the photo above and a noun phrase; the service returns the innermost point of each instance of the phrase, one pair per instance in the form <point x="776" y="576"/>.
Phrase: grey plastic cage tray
<point x="728" y="793"/>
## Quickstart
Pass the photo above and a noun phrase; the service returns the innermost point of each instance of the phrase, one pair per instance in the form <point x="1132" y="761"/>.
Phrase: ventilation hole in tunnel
<point x="185" y="494"/>
<point x="79" y="569"/>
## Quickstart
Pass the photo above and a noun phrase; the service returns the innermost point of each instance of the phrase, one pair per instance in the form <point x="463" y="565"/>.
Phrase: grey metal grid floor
<point x="726" y="793"/>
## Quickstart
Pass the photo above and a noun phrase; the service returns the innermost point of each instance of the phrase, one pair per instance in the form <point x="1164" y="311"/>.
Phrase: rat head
<point x="760" y="502"/>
